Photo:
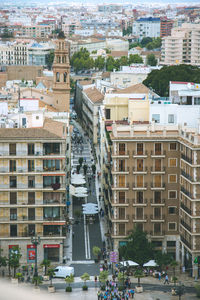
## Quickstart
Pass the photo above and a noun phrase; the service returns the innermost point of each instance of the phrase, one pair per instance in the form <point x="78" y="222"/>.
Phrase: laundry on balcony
<point x="55" y="186"/>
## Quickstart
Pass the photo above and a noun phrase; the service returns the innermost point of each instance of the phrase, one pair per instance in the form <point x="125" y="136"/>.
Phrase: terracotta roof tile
<point x="94" y="95"/>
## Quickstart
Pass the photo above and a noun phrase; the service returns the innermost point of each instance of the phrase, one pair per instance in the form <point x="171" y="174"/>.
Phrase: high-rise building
<point x="146" y="27"/>
<point x="165" y="27"/>
<point x="182" y="46"/>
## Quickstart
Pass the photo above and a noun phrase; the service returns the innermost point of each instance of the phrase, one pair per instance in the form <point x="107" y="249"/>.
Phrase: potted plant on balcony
<point x="96" y="251"/>
<point x="69" y="280"/>
<point x="85" y="277"/>
<point x="51" y="273"/>
<point x="46" y="264"/>
<point x="139" y="274"/>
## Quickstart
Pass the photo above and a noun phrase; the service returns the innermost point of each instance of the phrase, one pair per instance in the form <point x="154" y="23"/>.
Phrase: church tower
<point x="61" y="76"/>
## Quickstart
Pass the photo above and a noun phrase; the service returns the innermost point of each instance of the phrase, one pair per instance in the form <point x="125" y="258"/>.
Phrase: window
<point x="65" y="77"/>
<point x="156" y="118"/>
<point x="172" y="194"/>
<point x="139" y="197"/>
<point x="157" y="165"/>
<point x="13" y="181"/>
<point x="13" y="230"/>
<point x="171" y="119"/>
<point x="157" y="197"/>
<point x="172" y="162"/>
<point x="107" y="113"/>
<point x="122" y="148"/>
<point x="31" y="213"/>
<point x="13" y="197"/>
<point x="51" y="148"/>
<point x="157" y="212"/>
<point x="51" y="165"/>
<point x="31" y="165"/>
<point x="140" y="226"/>
<point x="139" y="212"/>
<point x="157" y="181"/>
<point x="140" y="149"/>
<point x="122" y="180"/>
<point x="37" y="117"/>
<point x="31" y="149"/>
<point x="172" y="226"/>
<point x="13" y="214"/>
<point x="121" y="211"/>
<point x="157" y="243"/>
<point x="122" y="165"/>
<point x="172" y="210"/>
<point x="12" y="149"/>
<point x="121" y="229"/>
<point x="172" y="178"/>
<point x="140" y="165"/>
<point x="31" y="229"/>
<point x="157" y="148"/>
<point x="196" y="101"/>
<point x="31" y="198"/>
<point x="172" y="146"/>
<point x="12" y="165"/>
<point x="139" y="181"/>
<point x="122" y="197"/>
<point x="171" y="243"/>
<point x="31" y="181"/>
<point x="157" y="227"/>
<point x="57" y="77"/>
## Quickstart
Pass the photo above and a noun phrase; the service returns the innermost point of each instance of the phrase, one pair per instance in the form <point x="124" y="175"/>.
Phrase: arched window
<point x="57" y="77"/>
<point x="63" y="59"/>
<point x="63" y="46"/>
<point x="57" y="59"/>
<point x="65" y="77"/>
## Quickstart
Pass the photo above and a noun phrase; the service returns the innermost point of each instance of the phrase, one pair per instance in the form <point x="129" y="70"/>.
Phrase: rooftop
<point x="94" y="95"/>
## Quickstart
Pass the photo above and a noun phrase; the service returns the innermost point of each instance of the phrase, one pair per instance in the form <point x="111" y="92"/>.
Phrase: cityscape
<point x="100" y="150"/>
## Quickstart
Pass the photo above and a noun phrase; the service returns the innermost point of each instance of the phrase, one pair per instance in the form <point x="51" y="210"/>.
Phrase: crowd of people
<point x="112" y="292"/>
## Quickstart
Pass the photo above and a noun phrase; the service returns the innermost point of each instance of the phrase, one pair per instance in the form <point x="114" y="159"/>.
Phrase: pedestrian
<point x="166" y="279"/>
<point x="99" y="295"/>
<point x="159" y="276"/>
<point x="132" y="292"/>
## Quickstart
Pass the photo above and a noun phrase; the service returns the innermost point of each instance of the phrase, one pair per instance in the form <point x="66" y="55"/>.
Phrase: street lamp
<point x="35" y="240"/>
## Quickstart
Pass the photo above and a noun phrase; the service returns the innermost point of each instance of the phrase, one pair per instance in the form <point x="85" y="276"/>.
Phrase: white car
<point x="63" y="271"/>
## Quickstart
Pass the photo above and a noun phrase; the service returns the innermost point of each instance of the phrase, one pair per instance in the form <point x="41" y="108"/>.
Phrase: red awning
<point x="51" y="246"/>
<point x="31" y="246"/>
<point x="109" y="128"/>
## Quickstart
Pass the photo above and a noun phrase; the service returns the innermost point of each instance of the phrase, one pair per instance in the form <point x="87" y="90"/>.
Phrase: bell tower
<point x="61" y="76"/>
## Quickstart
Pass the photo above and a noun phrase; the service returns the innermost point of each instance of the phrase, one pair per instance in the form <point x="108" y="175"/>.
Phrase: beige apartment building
<point x="33" y="190"/>
<point x="145" y="190"/>
<point x="182" y="47"/>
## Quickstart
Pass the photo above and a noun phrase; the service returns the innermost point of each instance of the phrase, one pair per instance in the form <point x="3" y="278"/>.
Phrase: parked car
<point x="63" y="271"/>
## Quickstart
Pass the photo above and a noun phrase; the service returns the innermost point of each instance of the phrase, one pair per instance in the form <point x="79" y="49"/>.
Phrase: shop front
<point x="52" y="252"/>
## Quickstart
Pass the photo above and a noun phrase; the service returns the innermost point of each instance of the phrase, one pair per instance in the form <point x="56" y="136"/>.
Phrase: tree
<point x="103" y="276"/>
<point x="51" y="273"/>
<point x="85" y="167"/>
<point x="93" y="169"/>
<point x="85" y="277"/>
<point x="14" y="259"/>
<point x="45" y="263"/>
<point x="163" y="259"/>
<point x="124" y="61"/>
<point x="120" y="278"/>
<point x="3" y="259"/>
<point x="174" y="264"/>
<point x="69" y="280"/>
<point x="135" y="59"/>
<point x="127" y="31"/>
<point x="99" y="63"/>
<point x="135" y="44"/>
<point x="61" y="35"/>
<point x="158" y="80"/>
<point x="72" y="85"/>
<point x="110" y="64"/>
<point x="50" y="59"/>
<point x="145" y="41"/>
<point x="138" y="248"/>
<point x="138" y="274"/>
<point x="96" y="251"/>
<point x="151" y="60"/>
<point x="154" y="44"/>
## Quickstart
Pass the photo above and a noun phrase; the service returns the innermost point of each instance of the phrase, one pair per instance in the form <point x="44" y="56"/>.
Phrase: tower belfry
<point x="61" y="76"/>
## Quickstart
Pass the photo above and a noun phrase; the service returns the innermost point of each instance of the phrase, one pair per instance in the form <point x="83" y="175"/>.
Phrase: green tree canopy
<point x="158" y="80"/>
<point x="99" y="63"/>
<point x="138" y="248"/>
<point x="50" y="59"/>
<point x="154" y="44"/>
<point x="14" y="259"/>
<point x="127" y="31"/>
<point x="151" y="60"/>
<point x="163" y="259"/>
<point x="145" y="41"/>
<point x="135" y="59"/>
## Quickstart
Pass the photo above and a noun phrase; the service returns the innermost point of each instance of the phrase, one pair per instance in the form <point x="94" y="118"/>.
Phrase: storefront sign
<point x="51" y="246"/>
<point x="31" y="253"/>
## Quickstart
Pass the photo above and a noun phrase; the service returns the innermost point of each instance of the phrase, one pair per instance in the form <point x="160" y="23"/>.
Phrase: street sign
<point x="113" y="256"/>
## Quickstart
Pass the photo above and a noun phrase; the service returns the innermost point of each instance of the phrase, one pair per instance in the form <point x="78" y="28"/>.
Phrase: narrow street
<point x="84" y="235"/>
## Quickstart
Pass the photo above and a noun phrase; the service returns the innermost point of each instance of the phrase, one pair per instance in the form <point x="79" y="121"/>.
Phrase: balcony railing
<point x="188" y="227"/>
<point x="157" y="201"/>
<point x="186" y="192"/>
<point x="188" y="244"/>
<point x="161" y="169"/>
<point x="185" y="208"/>
<point x="140" y="153"/>
<point x="158" y="153"/>
<point x="183" y="173"/>
<point x="144" y="169"/>
<point x="157" y="185"/>
<point x="186" y="158"/>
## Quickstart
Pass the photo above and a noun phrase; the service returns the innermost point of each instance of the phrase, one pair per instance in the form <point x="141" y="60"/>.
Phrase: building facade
<point x="146" y="27"/>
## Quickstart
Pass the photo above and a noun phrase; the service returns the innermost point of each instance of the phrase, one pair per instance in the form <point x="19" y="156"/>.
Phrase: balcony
<point x="121" y="171"/>
<point x="157" y="218"/>
<point x="120" y="203"/>
<point x="157" y="202"/>
<point x="143" y="170"/>
<point x="157" y="233"/>
<point x="186" y="192"/>
<point x="137" y="218"/>
<point x="121" y="187"/>
<point x="186" y="209"/>
<point x="121" y="154"/>
<point x="186" y="158"/>
<point x="157" y="186"/>
<point x="157" y="154"/>
<point x="138" y="154"/>
<point x="119" y="219"/>
<point x="140" y="186"/>
<point x="188" y="227"/>
<point x="142" y="202"/>
<point x="187" y="176"/>
<point x="160" y="170"/>
<point x="188" y="244"/>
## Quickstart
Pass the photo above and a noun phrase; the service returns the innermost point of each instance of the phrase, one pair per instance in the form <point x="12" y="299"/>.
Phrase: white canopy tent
<point x="78" y="181"/>
<point x="129" y="263"/>
<point x="150" y="263"/>
<point x="90" y="209"/>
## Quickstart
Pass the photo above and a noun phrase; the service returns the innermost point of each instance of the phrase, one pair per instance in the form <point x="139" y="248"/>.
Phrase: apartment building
<point x="37" y="31"/>
<point x="165" y="27"/>
<point x="14" y="54"/>
<point x="182" y="46"/>
<point x="32" y="190"/>
<point x="144" y="27"/>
